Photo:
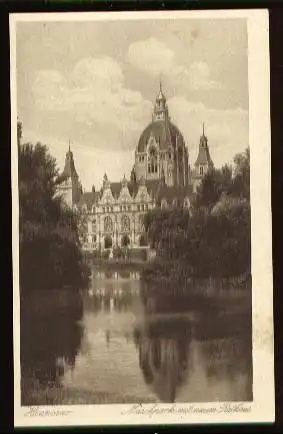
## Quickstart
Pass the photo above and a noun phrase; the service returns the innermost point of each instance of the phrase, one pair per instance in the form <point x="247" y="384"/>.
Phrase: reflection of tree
<point x="112" y="301"/>
<point x="163" y="353"/>
<point x="49" y="344"/>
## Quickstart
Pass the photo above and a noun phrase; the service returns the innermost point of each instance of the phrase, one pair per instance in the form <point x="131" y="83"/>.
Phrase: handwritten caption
<point x="155" y="409"/>
<point x="42" y="412"/>
<point x="139" y="409"/>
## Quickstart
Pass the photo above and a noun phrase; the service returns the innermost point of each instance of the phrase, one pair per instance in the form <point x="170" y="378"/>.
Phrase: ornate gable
<point x="142" y="194"/>
<point x="107" y="196"/>
<point x="124" y="196"/>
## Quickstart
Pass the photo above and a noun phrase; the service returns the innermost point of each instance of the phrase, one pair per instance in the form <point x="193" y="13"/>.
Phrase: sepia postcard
<point x="142" y="237"/>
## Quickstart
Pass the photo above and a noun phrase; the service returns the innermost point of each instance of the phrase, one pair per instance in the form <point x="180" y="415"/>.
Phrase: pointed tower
<point x="68" y="182"/>
<point x="203" y="161"/>
<point x="69" y="168"/>
<point x="160" y="109"/>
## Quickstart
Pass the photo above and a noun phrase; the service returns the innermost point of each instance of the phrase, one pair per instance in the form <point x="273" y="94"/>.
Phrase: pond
<point x="118" y="342"/>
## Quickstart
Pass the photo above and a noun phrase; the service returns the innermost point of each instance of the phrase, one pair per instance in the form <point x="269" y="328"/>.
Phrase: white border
<point x="262" y="407"/>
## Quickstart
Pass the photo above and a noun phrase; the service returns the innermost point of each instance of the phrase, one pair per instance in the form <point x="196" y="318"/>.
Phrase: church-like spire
<point x="203" y="160"/>
<point x="161" y="96"/>
<point x="203" y="138"/>
<point x="69" y="149"/>
<point x="160" y="108"/>
<point x="69" y="168"/>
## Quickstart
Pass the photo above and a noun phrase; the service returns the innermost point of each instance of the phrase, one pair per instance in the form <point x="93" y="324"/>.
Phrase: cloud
<point x="154" y="57"/>
<point x="199" y="77"/>
<point x="91" y="162"/>
<point x="94" y="92"/>
<point x="227" y="130"/>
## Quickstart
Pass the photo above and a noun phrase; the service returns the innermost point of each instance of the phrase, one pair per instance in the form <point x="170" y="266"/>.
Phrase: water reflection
<point x="163" y="356"/>
<point x="123" y="341"/>
<point x="50" y="338"/>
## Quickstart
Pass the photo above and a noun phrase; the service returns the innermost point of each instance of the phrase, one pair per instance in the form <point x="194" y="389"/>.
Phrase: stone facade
<point x="161" y="177"/>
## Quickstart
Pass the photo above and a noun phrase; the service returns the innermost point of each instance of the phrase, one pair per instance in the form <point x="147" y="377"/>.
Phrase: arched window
<point x="107" y="242"/>
<point x="152" y="160"/>
<point x="125" y="224"/>
<point x="141" y="223"/>
<point x="93" y="225"/>
<point x="125" y="240"/>
<point x="163" y="203"/>
<point x="108" y="224"/>
<point x="201" y="170"/>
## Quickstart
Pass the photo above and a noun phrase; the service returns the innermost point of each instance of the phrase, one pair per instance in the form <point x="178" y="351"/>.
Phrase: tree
<point x="19" y="131"/>
<point x="241" y="180"/>
<point x="215" y="183"/>
<point x="213" y="240"/>
<point x="50" y="254"/>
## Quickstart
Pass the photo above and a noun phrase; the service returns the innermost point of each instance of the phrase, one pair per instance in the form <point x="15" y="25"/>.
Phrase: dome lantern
<point x="160" y="108"/>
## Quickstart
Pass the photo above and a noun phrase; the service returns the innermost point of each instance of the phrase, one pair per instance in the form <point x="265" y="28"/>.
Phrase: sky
<point x="94" y="84"/>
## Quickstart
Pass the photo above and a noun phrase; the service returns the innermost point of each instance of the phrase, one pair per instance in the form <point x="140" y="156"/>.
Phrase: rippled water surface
<point x="118" y="343"/>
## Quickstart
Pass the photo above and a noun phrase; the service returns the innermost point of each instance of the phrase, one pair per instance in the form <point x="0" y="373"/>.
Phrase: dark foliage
<point x="50" y="254"/>
<point x="214" y="238"/>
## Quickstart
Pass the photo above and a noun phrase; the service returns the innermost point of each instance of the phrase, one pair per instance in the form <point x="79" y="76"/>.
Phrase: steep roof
<point x="174" y="192"/>
<point x="69" y="170"/>
<point x="203" y="157"/>
<point x="88" y="199"/>
<point x="203" y="153"/>
<point x="152" y="186"/>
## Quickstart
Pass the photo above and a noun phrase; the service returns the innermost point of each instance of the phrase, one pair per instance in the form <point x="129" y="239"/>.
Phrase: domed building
<point x="161" y="150"/>
<point x="161" y="177"/>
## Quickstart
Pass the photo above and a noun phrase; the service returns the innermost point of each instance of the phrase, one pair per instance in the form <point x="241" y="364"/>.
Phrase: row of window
<point x="111" y="208"/>
<point x="152" y="168"/>
<point x="142" y="158"/>
<point x="122" y="208"/>
<point x="109" y="224"/>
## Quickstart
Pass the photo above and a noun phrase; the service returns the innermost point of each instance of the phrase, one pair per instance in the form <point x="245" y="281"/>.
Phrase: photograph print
<point x="141" y="218"/>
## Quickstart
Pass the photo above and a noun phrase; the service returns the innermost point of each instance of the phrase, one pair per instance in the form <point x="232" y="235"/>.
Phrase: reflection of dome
<point x="164" y="132"/>
<point x="163" y="355"/>
<point x="163" y="364"/>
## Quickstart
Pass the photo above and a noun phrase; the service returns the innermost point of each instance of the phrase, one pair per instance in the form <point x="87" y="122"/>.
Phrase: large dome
<point x="164" y="131"/>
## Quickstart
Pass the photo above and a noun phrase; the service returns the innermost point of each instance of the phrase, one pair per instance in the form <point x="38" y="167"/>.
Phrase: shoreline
<point x="61" y="395"/>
